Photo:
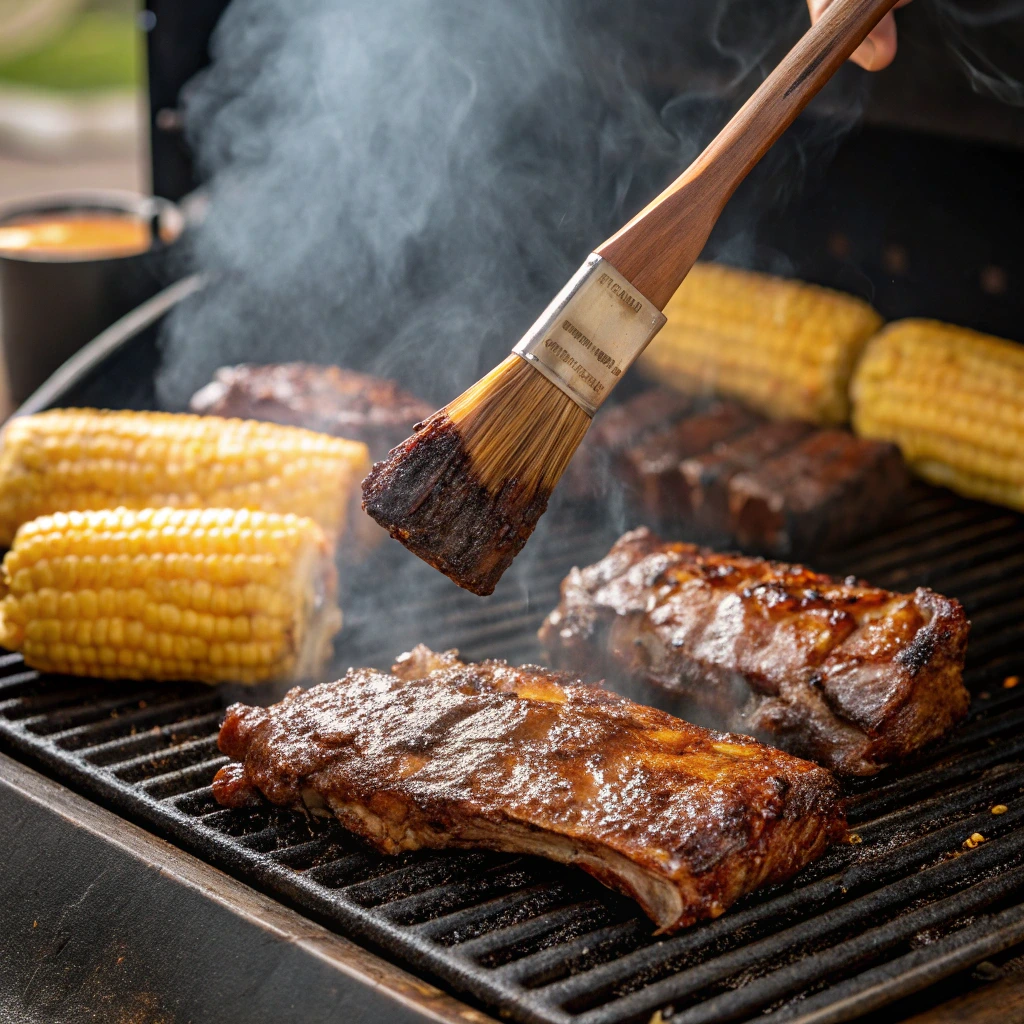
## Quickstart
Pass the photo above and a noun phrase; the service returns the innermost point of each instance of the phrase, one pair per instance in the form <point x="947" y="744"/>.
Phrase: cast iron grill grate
<point x="537" y="942"/>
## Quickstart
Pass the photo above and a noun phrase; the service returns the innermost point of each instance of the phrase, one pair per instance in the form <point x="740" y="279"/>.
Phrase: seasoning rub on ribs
<point x="846" y="674"/>
<point x="445" y="754"/>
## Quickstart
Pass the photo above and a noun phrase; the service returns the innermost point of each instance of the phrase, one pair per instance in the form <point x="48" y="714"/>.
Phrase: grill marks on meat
<point x="714" y="471"/>
<point x="829" y="488"/>
<point x="652" y="469"/>
<point x="617" y="430"/>
<point x="441" y="754"/>
<point x="846" y="674"/>
<point x="707" y="478"/>
<point x="325" y="398"/>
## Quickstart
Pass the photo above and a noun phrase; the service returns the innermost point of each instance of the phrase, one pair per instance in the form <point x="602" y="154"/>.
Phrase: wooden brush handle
<point x="657" y="248"/>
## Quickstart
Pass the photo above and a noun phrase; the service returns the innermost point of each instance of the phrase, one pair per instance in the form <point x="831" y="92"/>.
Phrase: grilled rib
<point x="443" y="754"/>
<point x="616" y="431"/>
<point x="846" y="674"/>
<point x="828" y="489"/>
<point x="706" y="478"/>
<point x="329" y="399"/>
<point x="652" y="469"/>
<point x="778" y="488"/>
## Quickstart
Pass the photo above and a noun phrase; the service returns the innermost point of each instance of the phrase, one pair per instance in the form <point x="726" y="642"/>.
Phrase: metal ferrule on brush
<point x="591" y="333"/>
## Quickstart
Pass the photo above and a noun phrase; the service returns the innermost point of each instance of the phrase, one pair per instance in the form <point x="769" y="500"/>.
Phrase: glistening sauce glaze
<point x="527" y="760"/>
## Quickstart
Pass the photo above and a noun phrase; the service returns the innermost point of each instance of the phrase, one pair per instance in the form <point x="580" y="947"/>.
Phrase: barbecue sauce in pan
<point x="92" y="235"/>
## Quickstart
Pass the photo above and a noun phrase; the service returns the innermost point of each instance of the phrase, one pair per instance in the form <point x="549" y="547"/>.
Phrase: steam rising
<point x="400" y="187"/>
<point x="975" y="31"/>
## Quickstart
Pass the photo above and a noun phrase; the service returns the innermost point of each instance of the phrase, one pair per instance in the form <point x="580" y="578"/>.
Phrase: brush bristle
<point x="516" y="425"/>
<point x="466" y="490"/>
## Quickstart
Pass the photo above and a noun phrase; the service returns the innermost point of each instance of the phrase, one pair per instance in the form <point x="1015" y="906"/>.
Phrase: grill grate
<point x="867" y="924"/>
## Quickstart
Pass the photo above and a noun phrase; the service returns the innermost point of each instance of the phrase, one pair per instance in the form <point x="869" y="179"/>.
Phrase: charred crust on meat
<point x="427" y="496"/>
<point x="921" y="649"/>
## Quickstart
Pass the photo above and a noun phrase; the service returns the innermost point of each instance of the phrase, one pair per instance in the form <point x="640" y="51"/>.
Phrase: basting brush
<point x="465" y="492"/>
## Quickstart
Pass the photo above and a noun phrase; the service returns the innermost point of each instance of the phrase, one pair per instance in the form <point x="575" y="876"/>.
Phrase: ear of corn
<point x="785" y="348"/>
<point x="77" y="459"/>
<point x="952" y="400"/>
<point x="214" y="595"/>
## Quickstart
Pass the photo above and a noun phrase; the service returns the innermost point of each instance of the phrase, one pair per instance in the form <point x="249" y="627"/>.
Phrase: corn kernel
<point x="88" y="604"/>
<point x="219" y="601"/>
<point x="202" y="594"/>
<point x="67" y="606"/>
<point x="170" y="618"/>
<point x="22" y="582"/>
<point x="42" y="575"/>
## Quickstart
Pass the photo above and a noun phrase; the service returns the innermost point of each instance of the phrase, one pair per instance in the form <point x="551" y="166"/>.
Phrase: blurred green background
<point x="69" y="45"/>
<point x="72" y="95"/>
<point x="73" y="108"/>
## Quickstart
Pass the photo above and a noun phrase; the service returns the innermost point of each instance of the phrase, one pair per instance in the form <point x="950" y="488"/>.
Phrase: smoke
<point x="985" y="38"/>
<point x="400" y="187"/>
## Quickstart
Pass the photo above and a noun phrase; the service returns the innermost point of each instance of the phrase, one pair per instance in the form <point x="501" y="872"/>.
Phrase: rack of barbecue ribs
<point x="840" y="672"/>
<point x="438" y="753"/>
<point x="709" y="470"/>
<point x="328" y="399"/>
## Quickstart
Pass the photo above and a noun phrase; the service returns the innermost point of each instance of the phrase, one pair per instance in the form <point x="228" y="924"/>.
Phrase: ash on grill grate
<point x="544" y="943"/>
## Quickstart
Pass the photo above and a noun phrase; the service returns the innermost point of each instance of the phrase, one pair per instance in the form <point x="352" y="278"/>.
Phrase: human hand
<point x="879" y="49"/>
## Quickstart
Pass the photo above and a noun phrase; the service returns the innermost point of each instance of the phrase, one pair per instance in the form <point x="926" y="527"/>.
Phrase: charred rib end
<point x="427" y="495"/>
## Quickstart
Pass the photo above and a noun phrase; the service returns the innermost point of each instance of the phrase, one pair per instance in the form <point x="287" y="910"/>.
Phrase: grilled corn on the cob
<point x="216" y="595"/>
<point x="785" y="348"/>
<point x="953" y="400"/>
<point x="77" y="459"/>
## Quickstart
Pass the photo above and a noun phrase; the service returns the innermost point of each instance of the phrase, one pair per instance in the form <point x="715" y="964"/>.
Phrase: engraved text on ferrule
<point x="590" y="333"/>
<point x="621" y="294"/>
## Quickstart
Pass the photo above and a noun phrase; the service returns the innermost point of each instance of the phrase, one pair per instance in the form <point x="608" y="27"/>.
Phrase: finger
<point x="879" y="49"/>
